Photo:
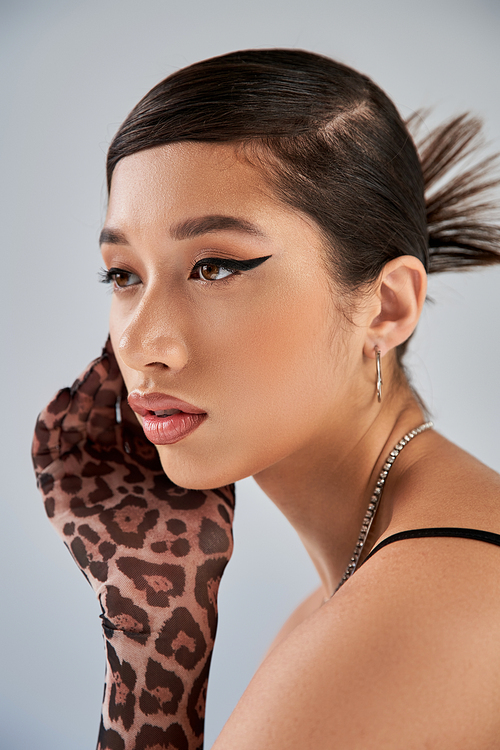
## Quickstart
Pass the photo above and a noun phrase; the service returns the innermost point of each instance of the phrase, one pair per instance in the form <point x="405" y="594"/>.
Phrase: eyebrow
<point x="112" y="237"/>
<point x="190" y="228"/>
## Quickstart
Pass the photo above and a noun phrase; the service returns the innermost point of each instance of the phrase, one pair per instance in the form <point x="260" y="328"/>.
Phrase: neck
<point x="324" y="490"/>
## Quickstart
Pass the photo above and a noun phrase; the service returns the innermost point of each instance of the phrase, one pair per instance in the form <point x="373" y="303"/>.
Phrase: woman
<point x="268" y="243"/>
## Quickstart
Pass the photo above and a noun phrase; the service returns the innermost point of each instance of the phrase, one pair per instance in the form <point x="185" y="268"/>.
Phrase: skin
<point x="288" y="385"/>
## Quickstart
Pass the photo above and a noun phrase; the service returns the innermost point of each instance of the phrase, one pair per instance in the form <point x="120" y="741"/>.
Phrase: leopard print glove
<point x="153" y="552"/>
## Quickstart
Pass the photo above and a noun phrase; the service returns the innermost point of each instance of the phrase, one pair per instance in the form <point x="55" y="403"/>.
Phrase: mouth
<point x="165" y="419"/>
<point x="165" y="412"/>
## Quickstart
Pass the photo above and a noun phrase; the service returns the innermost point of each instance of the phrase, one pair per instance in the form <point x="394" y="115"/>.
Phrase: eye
<point x="119" y="278"/>
<point x="211" y="271"/>
<point x="217" y="269"/>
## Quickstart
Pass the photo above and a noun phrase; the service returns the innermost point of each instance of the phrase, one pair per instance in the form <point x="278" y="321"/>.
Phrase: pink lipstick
<point x="165" y="419"/>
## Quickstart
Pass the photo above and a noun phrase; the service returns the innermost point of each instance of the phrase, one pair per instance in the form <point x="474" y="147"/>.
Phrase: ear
<point x="398" y="300"/>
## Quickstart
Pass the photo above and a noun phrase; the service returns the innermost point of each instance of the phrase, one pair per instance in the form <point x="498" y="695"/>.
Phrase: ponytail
<point x="462" y="219"/>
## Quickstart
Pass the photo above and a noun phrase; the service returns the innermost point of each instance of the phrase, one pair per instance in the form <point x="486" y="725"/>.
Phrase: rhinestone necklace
<point x="375" y="500"/>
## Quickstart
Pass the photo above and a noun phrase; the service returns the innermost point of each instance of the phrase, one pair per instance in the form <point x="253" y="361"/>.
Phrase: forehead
<point x="181" y="180"/>
<point x="165" y="177"/>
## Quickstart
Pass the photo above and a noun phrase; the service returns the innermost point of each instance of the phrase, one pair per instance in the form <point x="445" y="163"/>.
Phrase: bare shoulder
<point x="446" y="487"/>
<point x="305" y="609"/>
<point x="407" y="654"/>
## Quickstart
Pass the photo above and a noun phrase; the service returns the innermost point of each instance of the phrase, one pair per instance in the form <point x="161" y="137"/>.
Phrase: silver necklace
<point x="375" y="500"/>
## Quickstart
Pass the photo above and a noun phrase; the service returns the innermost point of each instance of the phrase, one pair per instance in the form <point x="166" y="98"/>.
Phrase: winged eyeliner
<point x="232" y="264"/>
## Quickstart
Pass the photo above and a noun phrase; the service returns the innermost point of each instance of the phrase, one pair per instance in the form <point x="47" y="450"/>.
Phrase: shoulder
<point x="407" y="654"/>
<point x="305" y="609"/>
<point x="446" y="487"/>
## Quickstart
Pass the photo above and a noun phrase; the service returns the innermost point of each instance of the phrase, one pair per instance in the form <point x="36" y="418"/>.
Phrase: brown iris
<point x="121" y="278"/>
<point x="210" y="271"/>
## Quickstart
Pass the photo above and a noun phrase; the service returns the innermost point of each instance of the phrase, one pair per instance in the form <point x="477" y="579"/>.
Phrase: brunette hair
<point x="335" y="147"/>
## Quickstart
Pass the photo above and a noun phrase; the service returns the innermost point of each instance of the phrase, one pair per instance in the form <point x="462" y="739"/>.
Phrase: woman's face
<point x="262" y="356"/>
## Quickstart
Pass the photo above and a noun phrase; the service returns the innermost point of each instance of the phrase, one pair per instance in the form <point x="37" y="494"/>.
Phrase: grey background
<point x="71" y="70"/>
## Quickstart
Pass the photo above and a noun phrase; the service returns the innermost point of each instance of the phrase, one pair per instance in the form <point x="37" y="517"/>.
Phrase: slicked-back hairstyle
<point x="333" y="146"/>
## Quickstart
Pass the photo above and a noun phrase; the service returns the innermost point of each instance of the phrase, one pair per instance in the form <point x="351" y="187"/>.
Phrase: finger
<point x="92" y="414"/>
<point x="65" y="420"/>
<point x="62" y="423"/>
<point x="88" y="389"/>
<point x="133" y="439"/>
<point x="46" y="440"/>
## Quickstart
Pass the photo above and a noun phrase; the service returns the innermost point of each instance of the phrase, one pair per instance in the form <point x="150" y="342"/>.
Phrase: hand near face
<point x="153" y="552"/>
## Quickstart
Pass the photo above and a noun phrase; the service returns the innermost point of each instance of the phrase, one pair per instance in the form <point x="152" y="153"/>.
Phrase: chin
<point x="192" y="475"/>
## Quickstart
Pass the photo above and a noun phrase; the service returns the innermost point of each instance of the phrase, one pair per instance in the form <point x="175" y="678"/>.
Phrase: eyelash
<point x="227" y="264"/>
<point x="109" y="276"/>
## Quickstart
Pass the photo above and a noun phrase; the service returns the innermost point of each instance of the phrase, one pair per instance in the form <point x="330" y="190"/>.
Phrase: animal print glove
<point x="153" y="552"/>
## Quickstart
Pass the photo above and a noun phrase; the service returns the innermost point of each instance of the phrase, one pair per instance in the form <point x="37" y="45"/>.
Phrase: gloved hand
<point x="153" y="552"/>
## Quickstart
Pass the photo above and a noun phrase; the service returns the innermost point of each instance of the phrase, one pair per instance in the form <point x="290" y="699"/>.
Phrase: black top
<point x="480" y="536"/>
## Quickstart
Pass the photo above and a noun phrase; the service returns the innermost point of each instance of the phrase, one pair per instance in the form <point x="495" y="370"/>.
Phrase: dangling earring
<point x="379" y="374"/>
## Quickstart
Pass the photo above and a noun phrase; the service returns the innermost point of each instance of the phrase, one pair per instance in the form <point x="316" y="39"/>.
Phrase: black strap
<point x="480" y="536"/>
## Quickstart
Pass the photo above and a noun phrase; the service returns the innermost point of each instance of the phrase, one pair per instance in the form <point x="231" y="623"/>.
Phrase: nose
<point x="152" y="339"/>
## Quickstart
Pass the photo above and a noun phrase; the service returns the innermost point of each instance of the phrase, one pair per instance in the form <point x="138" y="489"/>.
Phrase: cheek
<point x="116" y="327"/>
<point x="275" y="366"/>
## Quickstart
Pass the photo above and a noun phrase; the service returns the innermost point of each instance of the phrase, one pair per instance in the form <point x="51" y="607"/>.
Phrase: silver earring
<point x="379" y="375"/>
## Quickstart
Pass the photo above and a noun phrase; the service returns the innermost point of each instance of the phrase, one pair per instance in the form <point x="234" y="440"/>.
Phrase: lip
<point x="170" y="429"/>
<point x="144" y="403"/>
